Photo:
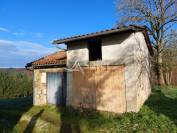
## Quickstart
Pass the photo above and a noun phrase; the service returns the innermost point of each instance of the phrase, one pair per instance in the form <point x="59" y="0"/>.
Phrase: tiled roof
<point x="57" y="58"/>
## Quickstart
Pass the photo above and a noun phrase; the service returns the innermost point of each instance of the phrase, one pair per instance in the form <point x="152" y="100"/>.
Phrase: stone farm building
<point x="107" y="70"/>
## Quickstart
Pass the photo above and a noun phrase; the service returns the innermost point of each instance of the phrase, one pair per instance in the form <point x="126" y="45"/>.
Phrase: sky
<point x="28" y="27"/>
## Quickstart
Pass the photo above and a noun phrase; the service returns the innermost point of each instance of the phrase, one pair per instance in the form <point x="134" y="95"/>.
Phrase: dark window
<point x="95" y="52"/>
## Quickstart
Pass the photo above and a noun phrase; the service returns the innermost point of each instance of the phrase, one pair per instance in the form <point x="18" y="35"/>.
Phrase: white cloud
<point x="22" y="32"/>
<point x="18" y="53"/>
<point x="18" y="33"/>
<point x="4" y="29"/>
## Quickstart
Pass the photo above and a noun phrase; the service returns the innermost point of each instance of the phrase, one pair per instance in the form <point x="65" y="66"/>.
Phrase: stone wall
<point x="40" y="85"/>
<point x="39" y="89"/>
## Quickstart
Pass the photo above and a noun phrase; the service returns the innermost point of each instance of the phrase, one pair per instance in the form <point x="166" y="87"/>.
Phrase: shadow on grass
<point x="11" y="111"/>
<point x="72" y="120"/>
<point x="67" y="126"/>
<point x="33" y="121"/>
<point x="162" y="104"/>
<point x="66" y="114"/>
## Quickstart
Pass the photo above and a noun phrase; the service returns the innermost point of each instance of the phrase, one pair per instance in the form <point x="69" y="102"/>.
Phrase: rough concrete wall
<point x="114" y="50"/>
<point x="142" y="59"/>
<point x="39" y="87"/>
<point x="77" y="51"/>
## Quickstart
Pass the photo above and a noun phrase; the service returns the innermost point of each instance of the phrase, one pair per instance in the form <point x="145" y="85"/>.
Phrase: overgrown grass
<point x="159" y="114"/>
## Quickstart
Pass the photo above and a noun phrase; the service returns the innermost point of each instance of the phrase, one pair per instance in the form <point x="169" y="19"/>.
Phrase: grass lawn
<point x="159" y="114"/>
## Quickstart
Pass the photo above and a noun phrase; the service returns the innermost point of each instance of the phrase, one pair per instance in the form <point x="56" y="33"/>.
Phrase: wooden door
<point x="110" y="89"/>
<point x="101" y="88"/>
<point x="84" y="93"/>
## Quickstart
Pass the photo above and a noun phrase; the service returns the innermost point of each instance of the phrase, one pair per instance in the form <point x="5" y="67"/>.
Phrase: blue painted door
<point x="54" y="88"/>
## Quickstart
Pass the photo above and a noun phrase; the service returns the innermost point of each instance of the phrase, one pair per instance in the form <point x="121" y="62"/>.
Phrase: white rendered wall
<point x="77" y="51"/>
<point x="142" y="57"/>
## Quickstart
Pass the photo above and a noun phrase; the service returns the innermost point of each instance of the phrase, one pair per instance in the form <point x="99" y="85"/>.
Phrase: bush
<point x="15" y="85"/>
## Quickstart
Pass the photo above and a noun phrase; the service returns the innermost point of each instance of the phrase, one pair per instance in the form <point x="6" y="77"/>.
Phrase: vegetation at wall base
<point x="159" y="114"/>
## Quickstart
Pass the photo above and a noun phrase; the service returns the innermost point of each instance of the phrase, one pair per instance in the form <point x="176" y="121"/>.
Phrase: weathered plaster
<point x="142" y="59"/>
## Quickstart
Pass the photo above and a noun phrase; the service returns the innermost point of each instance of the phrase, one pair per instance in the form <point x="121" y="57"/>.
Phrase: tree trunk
<point x="167" y="78"/>
<point x="160" y="77"/>
<point x="170" y="77"/>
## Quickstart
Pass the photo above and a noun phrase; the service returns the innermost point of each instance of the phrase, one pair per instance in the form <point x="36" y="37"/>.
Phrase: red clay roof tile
<point x="57" y="58"/>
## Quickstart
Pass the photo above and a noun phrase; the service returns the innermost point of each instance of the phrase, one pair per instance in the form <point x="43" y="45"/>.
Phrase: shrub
<point x="15" y="85"/>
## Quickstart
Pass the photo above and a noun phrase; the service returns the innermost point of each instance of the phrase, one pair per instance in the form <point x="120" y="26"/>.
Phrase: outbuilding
<point x="107" y="70"/>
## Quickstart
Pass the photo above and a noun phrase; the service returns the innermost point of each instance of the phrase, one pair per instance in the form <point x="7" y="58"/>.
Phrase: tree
<point x="159" y="16"/>
<point x="169" y="56"/>
<point x="15" y="85"/>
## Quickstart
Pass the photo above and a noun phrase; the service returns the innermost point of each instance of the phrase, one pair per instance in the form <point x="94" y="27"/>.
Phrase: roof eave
<point x="45" y="65"/>
<point x="96" y="34"/>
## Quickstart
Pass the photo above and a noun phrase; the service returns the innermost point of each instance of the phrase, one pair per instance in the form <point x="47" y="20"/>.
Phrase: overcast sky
<point x="27" y="27"/>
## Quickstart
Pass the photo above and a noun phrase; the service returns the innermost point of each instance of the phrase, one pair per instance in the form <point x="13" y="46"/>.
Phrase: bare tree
<point x="169" y="56"/>
<point x="159" y="16"/>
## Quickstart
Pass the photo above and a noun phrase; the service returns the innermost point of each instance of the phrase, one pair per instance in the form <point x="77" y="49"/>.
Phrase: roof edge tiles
<point x="55" y="59"/>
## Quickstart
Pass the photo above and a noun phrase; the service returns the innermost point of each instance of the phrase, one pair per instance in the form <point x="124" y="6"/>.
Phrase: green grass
<point x="159" y="114"/>
<point x="11" y="111"/>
